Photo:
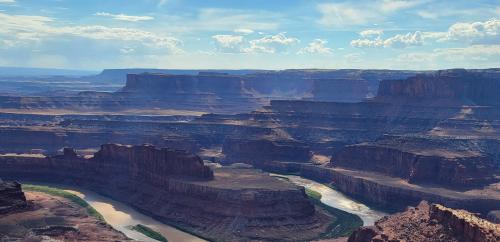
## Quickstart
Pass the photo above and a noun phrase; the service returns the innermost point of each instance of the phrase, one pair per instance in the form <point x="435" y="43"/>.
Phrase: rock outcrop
<point x="176" y="187"/>
<point x="11" y="197"/>
<point x="457" y="84"/>
<point x="428" y="165"/>
<point x="494" y="216"/>
<point x="429" y="222"/>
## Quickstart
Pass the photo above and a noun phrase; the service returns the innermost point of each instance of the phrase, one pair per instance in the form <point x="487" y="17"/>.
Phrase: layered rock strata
<point x="392" y="193"/>
<point x="427" y="165"/>
<point x="259" y="151"/>
<point x="11" y="197"/>
<point x="429" y="222"/>
<point x="224" y="204"/>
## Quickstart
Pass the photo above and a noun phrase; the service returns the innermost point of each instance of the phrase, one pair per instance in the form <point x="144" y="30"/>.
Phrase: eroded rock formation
<point x="11" y="197"/>
<point x="259" y="151"/>
<point x="429" y="222"/>
<point x="427" y="165"/>
<point x="224" y="204"/>
<point x="457" y="84"/>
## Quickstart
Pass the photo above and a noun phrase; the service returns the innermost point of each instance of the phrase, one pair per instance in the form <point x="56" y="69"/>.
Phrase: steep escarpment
<point x="224" y="204"/>
<point x="161" y="84"/>
<point x="259" y="151"/>
<point x="11" y="197"/>
<point x="217" y="91"/>
<point x="456" y="84"/>
<point x="343" y="90"/>
<point x="429" y="222"/>
<point x="145" y="161"/>
<point x="394" y="193"/>
<point x="428" y="165"/>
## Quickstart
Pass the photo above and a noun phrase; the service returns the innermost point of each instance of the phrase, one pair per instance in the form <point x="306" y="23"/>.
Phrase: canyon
<point x="389" y="139"/>
<point x="174" y="186"/>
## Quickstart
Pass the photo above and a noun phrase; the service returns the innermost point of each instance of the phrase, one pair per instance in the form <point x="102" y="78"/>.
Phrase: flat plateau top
<point x="236" y="179"/>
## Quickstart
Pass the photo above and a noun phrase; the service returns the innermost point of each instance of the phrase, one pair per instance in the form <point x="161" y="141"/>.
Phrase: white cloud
<point x="487" y="32"/>
<point x="7" y="1"/>
<point x="396" y="5"/>
<point x="243" y="31"/>
<point x="401" y="41"/>
<point x="127" y="50"/>
<point x="124" y="17"/>
<point x="22" y="28"/>
<point x="231" y="19"/>
<point x="371" y="33"/>
<point x="478" y="56"/>
<point x="228" y="43"/>
<point x="476" y="32"/>
<point x="317" y="46"/>
<point x="161" y="3"/>
<point x="397" y="41"/>
<point x="271" y="44"/>
<point x="361" y="12"/>
<point x="342" y="14"/>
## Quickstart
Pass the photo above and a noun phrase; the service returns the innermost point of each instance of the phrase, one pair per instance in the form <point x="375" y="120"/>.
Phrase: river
<point x="338" y="200"/>
<point x="122" y="217"/>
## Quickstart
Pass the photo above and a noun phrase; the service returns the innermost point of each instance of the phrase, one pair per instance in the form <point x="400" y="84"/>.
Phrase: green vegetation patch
<point x="149" y="232"/>
<point x="313" y="194"/>
<point x="344" y="224"/>
<point x="61" y="193"/>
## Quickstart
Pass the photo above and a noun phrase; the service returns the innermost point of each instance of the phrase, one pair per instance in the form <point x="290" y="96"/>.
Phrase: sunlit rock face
<point x="429" y="222"/>
<point x="176" y="186"/>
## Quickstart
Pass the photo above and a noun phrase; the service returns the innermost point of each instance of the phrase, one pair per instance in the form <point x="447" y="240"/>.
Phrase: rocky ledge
<point x="11" y="197"/>
<point x="176" y="187"/>
<point x="429" y="222"/>
<point x="420" y="165"/>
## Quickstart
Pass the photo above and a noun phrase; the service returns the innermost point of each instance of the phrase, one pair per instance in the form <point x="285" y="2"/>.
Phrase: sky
<point x="250" y="34"/>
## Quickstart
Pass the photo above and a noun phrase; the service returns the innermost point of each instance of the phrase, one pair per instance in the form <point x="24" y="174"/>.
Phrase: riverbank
<point x="124" y="217"/>
<point x="391" y="194"/>
<point x="57" y="218"/>
<point x="335" y="199"/>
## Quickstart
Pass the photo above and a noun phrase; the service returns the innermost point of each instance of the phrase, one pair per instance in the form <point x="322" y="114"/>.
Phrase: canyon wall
<point x="224" y="204"/>
<point x="447" y="84"/>
<point x="341" y="90"/>
<point x="393" y="194"/>
<point x="429" y="222"/>
<point x="445" y="167"/>
<point x="11" y="197"/>
<point x="259" y="151"/>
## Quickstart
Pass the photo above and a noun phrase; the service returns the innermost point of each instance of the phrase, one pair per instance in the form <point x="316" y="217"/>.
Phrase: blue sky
<point x="262" y="34"/>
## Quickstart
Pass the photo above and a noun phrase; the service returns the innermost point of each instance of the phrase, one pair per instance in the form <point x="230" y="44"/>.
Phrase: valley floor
<point x="56" y="218"/>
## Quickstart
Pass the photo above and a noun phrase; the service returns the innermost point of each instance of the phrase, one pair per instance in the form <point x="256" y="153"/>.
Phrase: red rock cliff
<point x="429" y="223"/>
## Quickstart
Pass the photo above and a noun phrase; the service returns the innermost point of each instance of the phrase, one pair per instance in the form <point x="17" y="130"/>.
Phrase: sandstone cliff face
<point x="458" y="169"/>
<point x="393" y="195"/>
<point x="448" y="84"/>
<point x="429" y="223"/>
<point x="144" y="161"/>
<point x="228" y="204"/>
<point x="161" y="84"/>
<point x="11" y="197"/>
<point x="341" y="90"/>
<point x="259" y="151"/>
